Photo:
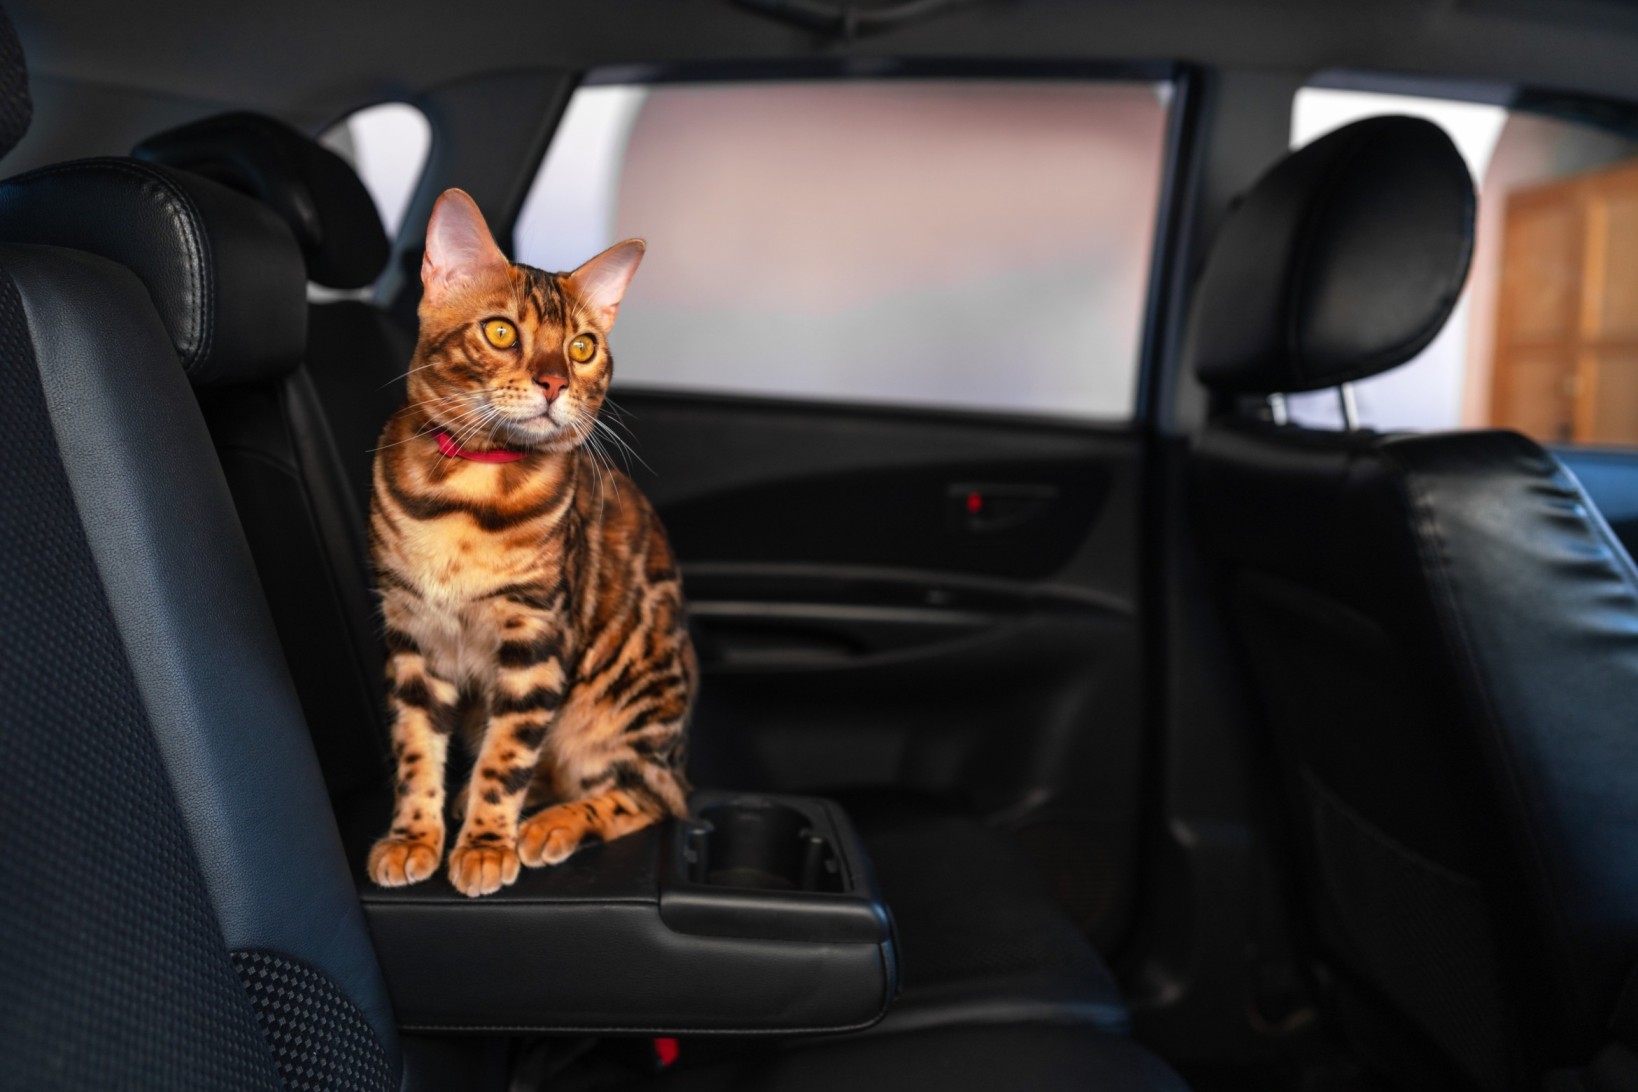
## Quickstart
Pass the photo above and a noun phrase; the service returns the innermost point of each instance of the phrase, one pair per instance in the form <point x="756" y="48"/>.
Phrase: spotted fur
<point x="532" y="608"/>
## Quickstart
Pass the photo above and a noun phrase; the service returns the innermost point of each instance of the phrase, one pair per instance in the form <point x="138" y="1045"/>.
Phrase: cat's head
<point x="510" y="355"/>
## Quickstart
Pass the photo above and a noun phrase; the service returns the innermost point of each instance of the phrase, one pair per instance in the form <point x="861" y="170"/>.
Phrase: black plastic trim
<point x="854" y="915"/>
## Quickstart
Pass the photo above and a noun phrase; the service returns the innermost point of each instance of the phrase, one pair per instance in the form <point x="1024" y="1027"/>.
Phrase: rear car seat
<point x="980" y="937"/>
<point x="179" y="912"/>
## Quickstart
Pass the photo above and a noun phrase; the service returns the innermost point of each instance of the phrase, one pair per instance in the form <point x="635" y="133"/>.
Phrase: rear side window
<point x="1545" y="337"/>
<point x="387" y="144"/>
<point x="981" y="245"/>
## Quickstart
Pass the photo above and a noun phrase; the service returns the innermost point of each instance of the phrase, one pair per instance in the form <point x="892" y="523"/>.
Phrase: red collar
<point x="448" y="446"/>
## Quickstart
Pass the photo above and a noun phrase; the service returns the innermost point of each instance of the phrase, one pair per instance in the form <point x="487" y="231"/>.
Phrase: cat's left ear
<point x="601" y="282"/>
<point x="460" y="249"/>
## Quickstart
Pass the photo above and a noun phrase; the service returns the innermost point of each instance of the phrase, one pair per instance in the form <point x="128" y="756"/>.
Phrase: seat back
<point x="298" y="447"/>
<point x="1440" y="630"/>
<point x="178" y="910"/>
<point x="356" y="354"/>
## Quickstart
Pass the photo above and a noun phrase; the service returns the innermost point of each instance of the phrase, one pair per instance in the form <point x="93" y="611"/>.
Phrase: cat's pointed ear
<point x="459" y="247"/>
<point x="601" y="282"/>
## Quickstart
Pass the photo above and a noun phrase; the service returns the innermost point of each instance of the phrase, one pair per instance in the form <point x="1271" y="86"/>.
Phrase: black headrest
<point x="319" y="195"/>
<point x="1343" y="261"/>
<point x="223" y="271"/>
<point x="16" y="108"/>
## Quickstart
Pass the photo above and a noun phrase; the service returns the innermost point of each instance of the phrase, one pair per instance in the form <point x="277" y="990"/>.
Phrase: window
<point x="1521" y="349"/>
<point x="387" y="145"/>
<point x="972" y="244"/>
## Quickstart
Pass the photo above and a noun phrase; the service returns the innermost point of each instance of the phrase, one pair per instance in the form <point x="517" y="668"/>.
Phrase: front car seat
<point x="1441" y="631"/>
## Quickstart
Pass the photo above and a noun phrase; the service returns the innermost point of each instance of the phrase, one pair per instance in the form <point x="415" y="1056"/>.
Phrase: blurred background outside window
<point x="980" y="245"/>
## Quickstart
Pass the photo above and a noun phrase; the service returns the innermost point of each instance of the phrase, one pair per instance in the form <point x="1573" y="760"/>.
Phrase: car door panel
<point x="861" y="627"/>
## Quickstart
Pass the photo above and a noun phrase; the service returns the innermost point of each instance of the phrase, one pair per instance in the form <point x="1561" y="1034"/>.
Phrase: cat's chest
<point x="455" y="572"/>
<point x="453" y="563"/>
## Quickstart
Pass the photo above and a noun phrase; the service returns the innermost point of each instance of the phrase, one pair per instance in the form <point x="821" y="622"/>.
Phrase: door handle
<point x="982" y="508"/>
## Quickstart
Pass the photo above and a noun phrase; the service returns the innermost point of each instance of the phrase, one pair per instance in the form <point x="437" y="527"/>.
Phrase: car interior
<point x="1154" y="487"/>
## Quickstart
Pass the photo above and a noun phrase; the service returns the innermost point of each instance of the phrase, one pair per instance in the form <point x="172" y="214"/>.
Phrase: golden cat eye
<point x="582" y="348"/>
<point x="500" y="333"/>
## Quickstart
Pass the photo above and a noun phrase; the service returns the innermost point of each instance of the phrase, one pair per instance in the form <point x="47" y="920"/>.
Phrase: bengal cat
<point x="531" y="601"/>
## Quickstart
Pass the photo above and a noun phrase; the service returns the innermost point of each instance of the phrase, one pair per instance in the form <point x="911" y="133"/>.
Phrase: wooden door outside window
<point x="1567" y="324"/>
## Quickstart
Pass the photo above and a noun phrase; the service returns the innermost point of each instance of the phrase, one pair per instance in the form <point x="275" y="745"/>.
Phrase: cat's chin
<point x="540" y="433"/>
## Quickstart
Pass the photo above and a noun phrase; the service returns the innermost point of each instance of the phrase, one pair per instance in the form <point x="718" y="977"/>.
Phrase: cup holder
<point x="765" y="867"/>
<point x="760" y="845"/>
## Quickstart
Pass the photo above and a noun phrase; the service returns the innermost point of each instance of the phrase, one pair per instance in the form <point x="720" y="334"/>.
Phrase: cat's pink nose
<point x="553" y="385"/>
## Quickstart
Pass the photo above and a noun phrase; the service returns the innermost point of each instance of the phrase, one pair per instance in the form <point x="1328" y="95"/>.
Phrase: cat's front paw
<point x="551" y="836"/>
<point x="483" y="869"/>
<point x="396" y="861"/>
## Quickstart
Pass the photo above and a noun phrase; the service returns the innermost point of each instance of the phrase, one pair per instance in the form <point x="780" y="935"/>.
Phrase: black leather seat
<point x="178" y="912"/>
<point x="297" y="448"/>
<point x="982" y="940"/>
<point x="356" y="355"/>
<point x="1441" y="631"/>
<point x="178" y="909"/>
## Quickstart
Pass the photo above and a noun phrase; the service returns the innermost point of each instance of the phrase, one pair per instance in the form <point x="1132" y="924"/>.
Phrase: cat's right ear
<point x="460" y="249"/>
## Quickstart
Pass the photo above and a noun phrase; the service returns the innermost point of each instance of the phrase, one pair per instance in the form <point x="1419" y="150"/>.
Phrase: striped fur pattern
<point x="533" y="609"/>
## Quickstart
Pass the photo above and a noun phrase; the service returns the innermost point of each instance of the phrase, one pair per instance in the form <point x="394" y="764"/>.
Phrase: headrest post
<point x="1350" y="407"/>
<point x="1276" y="409"/>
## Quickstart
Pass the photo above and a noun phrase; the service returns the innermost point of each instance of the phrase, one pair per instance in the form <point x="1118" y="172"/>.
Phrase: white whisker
<point x="406" y="375"/>
<point x="627" y="451"/>
<point x="432" y="427"/>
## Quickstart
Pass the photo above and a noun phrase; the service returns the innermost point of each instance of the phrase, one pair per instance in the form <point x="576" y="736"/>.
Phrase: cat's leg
<point x="530" y="680"/>
<point x="619" y="753"/>
<point x="552" y="836"/>
<point x="423" y="709"/>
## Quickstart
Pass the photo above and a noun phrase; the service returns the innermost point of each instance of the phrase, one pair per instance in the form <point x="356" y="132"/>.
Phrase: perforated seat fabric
<point x="113" y="961"/>
<point x="319" y="1039"/>
<point x="119" y="971"/>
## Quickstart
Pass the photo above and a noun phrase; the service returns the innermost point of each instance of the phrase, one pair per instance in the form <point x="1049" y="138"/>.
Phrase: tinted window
<point x="971" y="244"/>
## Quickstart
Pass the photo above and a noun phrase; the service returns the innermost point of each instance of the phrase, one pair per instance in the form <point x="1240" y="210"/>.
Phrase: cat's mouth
<point x="550" y="426"/>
